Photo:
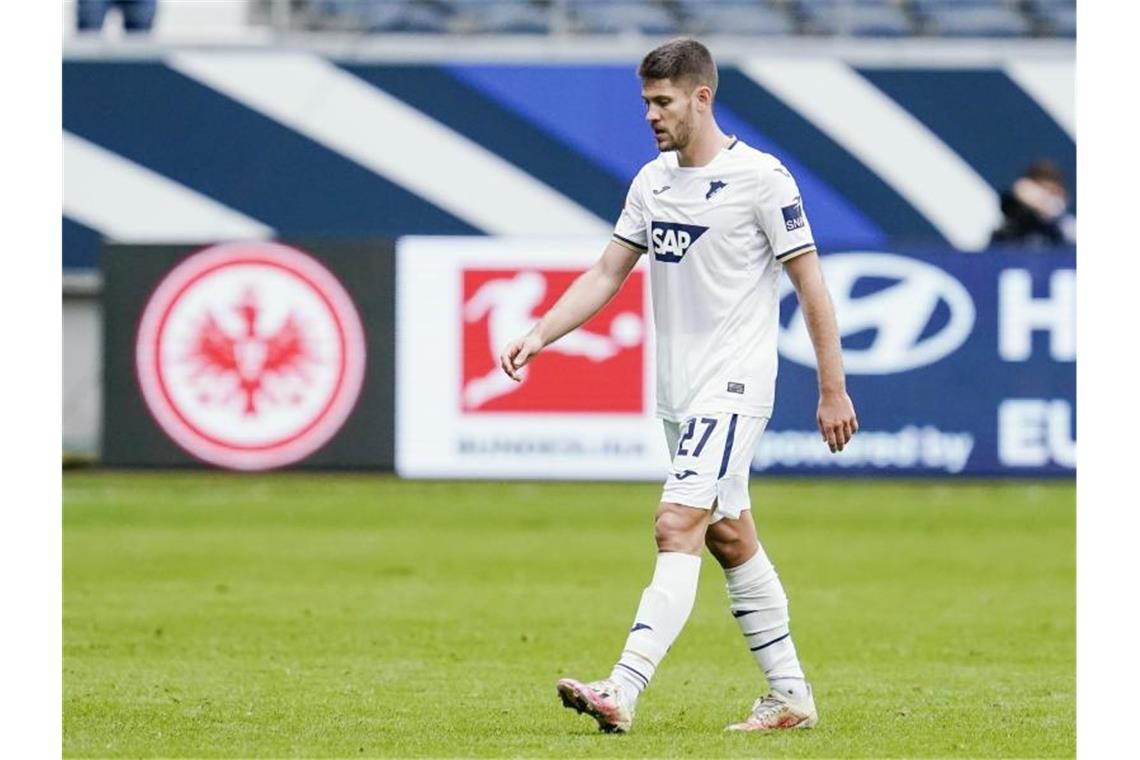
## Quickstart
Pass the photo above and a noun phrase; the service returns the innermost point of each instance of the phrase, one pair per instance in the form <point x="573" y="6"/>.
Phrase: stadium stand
<point x="481" y="16"/>
<point x="254" y="20"/>
<point x="972" y="18"/>
<point x="601" y="17"/>
<point x="1056" y="18"/>
<point x="841" y="18"/>
<point x="375" y="16"/>
<point x="860" y="18"/>
<point x="735" y="17"/>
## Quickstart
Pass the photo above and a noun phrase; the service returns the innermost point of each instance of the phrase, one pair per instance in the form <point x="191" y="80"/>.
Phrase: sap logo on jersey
<point x="671" y="240"/>
<point x="600" y="367"/>
<point x="915" y="315"/>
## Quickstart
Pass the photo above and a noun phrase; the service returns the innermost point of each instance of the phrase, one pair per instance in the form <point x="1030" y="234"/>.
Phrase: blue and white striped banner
<point x="223" y="144"/>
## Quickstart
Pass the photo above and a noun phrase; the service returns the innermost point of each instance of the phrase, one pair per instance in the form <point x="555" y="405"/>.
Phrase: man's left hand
<point x="836" y="418"/>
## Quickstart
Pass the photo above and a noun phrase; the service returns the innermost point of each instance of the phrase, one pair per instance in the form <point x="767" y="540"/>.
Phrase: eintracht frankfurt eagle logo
<point x="250" y="355"/>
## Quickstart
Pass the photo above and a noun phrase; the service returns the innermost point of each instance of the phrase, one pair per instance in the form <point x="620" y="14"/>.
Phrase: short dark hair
<point x="681" y="59"/>
<point x="1047" y="170"/>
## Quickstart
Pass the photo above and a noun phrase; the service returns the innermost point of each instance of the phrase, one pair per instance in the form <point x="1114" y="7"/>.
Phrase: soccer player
<point x="720" y="221"/>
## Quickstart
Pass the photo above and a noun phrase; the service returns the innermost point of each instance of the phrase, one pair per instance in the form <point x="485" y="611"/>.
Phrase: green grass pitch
<point x="217" y="615"/>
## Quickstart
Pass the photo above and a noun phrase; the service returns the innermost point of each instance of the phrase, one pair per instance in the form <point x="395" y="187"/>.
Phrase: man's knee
<point x="728" y="552"/>
<point x="732" y="542"/>
<point x="678" y="528"/>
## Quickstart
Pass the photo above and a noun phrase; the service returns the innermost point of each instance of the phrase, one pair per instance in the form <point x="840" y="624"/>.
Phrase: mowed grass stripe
<point x="215" y="615"/>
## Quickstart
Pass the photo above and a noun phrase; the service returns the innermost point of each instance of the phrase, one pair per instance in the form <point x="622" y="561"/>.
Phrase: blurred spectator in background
<point x="138" y="15"/>
<point x="1035" y="210"/>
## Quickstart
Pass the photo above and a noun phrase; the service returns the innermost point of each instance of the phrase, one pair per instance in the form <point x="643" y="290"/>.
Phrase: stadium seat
<point x="382" y="16"/>
<point x="1055" y="17"/>
<point x="863" y="18"/>
<point x="489" y="16"/>
<point x="1062" y="22"/>
<point x="972" y="18"/>
<point x="600" y="17"/>
<point x="734" y="17"/>
<point x="334" y="14"/>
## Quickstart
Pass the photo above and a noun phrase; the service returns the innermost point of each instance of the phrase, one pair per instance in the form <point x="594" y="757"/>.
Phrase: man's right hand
<point x="517" y="353"/>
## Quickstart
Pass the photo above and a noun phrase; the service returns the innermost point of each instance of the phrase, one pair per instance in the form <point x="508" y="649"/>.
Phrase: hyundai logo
<point x="920" y="314"/>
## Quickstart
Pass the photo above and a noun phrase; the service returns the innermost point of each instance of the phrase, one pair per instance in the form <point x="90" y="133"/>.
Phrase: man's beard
<point x="679" y="138"/>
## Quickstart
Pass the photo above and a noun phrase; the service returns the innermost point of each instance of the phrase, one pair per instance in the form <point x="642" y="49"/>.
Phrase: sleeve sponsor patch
<point x="793" y="215"/>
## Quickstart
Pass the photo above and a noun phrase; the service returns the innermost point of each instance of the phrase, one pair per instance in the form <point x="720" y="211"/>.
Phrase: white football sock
<point x="757" y="600"/>
<point x="665" y="606"/>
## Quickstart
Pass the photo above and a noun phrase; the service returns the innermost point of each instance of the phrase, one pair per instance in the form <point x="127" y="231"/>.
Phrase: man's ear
<point x="703" y="94"/>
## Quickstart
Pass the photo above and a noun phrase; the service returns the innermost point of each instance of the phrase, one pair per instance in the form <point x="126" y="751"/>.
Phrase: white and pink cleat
<point x="601" y="700"/>
<point x="775" y="711"/>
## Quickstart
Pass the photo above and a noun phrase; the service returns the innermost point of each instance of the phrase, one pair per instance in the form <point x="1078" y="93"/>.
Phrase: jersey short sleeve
<point x="630" y="229"/>
<point x="781" y="214"/>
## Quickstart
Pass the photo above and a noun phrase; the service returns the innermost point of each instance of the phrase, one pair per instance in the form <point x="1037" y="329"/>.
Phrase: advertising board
<point x="248" y="355"/>
<point x="957" y="363"/>
<point x="583" y="410"/>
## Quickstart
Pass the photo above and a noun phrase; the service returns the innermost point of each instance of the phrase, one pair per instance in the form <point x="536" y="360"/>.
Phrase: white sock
<point x="665" y="606"/>
<point x="760" y="606"/>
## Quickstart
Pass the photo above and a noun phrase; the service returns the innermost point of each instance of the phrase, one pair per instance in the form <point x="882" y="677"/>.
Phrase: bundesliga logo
<point x="597" y="368"/>
<point x="250" y="355"/>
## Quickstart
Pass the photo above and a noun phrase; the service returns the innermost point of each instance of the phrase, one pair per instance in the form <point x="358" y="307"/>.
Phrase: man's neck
<point x="704" y="147"/>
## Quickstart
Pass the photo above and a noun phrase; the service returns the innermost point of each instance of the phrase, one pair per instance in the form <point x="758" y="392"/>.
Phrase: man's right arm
<point x="585" y="297"/>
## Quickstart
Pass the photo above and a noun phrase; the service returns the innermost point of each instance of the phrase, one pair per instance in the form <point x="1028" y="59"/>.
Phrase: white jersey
<point x="717" y="235"/>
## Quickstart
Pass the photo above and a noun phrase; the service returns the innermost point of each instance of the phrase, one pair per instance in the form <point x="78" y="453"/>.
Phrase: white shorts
<point x="712" y="455"/>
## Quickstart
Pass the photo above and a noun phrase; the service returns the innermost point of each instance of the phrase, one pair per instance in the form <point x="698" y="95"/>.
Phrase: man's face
<point x="671" y="111"/>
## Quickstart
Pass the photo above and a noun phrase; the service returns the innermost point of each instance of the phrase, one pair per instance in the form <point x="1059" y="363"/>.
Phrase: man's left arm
<point x="836" y="414"/>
